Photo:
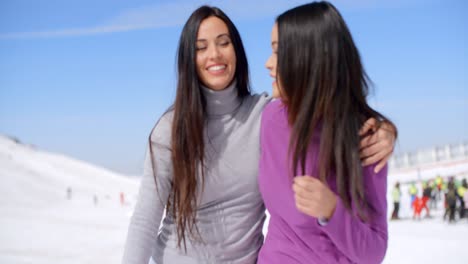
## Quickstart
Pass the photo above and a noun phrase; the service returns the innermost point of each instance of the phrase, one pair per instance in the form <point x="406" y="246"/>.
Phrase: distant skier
<point x="95" y="200"/>
<point x="69" y="193"/>
<point x="439" y="183"/>
<point x="465" y="200"/>
<point x="122" y="198"/>
<point x="461" y="190"/>
<point x="434" y="193"/>
<point x="396" y="194"/>
<point x="413" y="192"/>
<point x="427" y="192"/>
<point x="450" y="201"/>
<point x="418" y="205"/>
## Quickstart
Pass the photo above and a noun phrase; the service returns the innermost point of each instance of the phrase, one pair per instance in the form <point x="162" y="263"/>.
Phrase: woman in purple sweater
<point x="339" y="214"/>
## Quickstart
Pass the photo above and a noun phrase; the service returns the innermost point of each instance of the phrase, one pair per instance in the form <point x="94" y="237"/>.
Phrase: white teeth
<point x="217" y="67"/>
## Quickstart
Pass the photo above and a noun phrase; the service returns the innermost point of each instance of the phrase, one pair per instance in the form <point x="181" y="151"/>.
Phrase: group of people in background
<point x="95" y="198"/>
<point x="456" y="199"/>
<point x="451" y="190"/>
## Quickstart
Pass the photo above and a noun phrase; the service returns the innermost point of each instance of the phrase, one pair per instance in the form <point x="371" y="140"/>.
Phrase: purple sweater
<point x="294" y="237"/>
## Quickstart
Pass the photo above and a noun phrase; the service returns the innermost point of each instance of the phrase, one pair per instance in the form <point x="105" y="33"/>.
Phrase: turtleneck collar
<point x="221" y="102"/>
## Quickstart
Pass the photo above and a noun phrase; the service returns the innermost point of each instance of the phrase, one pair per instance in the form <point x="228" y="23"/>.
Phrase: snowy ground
<point x="427" y="241"/>
<point x="39" y="225"/>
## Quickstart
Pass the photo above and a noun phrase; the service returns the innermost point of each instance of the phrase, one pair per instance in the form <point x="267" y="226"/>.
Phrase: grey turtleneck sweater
<point x="230" y="212"/>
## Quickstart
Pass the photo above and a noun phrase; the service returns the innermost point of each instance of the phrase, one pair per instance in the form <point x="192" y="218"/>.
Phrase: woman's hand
<point x="313" y="197"/>
<point x="378" y="145"/>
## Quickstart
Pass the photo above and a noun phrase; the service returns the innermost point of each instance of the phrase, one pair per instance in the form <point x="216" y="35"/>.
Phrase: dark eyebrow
<point x="274" y="43"/>
<point x="219" y="36"/>
<point x="223" y="35"/>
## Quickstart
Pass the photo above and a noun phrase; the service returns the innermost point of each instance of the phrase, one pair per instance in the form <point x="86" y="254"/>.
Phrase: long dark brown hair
<point x="324" y="85"/>
<point x="187" y="138"/>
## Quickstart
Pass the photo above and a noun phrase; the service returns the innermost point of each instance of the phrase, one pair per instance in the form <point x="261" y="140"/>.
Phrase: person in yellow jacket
<point x="396" y="194"/>
<point x="439" y="181"/>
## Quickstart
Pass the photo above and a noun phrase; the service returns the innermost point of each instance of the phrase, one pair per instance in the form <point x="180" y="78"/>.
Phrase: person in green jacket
<point x="396" y="194"/>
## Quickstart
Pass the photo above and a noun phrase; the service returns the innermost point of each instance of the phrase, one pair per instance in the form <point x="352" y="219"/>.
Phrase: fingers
<point x="305" y="209"/>
<point x="307" y="204"/>
<point x="319" y="203"/>
<point x="385" y="132"/>
<point x="381" y="134"/>
<point x="369" y="140"/>
<point x="303" y="187"/>
<point x="391" y="129"/>
<point x="374" y="158"/>
<point x="376" y="147"/>
<point x="370" y="124"/>
<point x="382" y="163"/>
<point x="373" y="150"/>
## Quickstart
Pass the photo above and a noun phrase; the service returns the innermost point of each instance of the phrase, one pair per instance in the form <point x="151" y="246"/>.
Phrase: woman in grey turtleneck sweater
<point x="202" y="159"/>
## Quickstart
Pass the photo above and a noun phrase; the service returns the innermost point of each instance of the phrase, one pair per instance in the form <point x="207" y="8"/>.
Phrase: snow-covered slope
<point x="39" y="224"/>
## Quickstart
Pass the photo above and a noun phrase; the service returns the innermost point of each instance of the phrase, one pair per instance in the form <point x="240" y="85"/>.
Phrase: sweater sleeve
<point x="363" y="242"/>
<point x="152" y="197"/>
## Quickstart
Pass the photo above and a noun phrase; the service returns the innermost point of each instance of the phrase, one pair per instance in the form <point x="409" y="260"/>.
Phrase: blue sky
<point x="90" y="78"/>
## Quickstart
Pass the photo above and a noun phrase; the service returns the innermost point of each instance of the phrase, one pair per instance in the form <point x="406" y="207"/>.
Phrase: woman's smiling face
<point x="215" y="57"/>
